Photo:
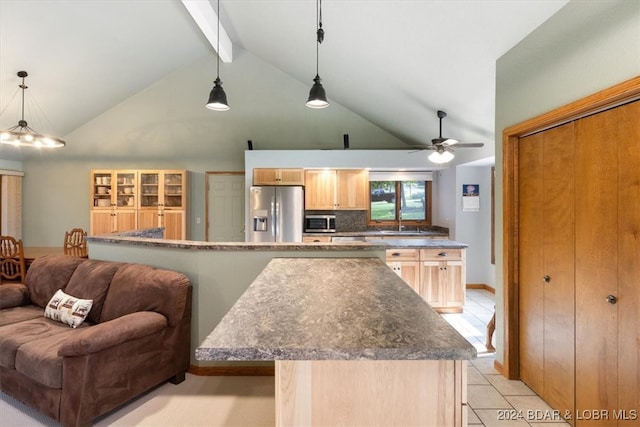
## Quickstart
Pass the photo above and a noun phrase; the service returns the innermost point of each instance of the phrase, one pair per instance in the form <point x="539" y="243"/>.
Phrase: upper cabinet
<point x="341" y="189"/>
<point x="278" y="176"/>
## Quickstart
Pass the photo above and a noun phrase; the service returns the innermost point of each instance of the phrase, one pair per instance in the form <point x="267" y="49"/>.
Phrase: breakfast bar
<point x="352" y="343"/>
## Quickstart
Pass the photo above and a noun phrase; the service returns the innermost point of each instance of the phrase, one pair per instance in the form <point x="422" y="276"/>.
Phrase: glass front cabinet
<point x="123" y="200"/>
<point x="162" y="202"/>
<point x="113" y="201"/>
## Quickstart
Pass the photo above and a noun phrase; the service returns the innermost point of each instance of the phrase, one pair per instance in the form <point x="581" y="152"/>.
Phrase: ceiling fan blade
<point x="470" y="144"/>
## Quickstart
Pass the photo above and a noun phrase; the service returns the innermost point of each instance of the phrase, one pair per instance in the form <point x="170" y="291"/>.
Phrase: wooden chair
<point x="75" y="243"/>
<point x="12" y="265"/>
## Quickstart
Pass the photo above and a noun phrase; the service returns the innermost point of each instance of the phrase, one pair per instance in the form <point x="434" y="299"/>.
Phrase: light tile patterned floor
<point x="493" y="400"/>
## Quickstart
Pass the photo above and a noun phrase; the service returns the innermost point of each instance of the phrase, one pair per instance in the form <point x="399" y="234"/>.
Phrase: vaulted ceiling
<point x="392" y="63"/>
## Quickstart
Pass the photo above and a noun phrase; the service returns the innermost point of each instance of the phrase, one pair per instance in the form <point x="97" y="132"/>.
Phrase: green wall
<point x="586" y="47"/>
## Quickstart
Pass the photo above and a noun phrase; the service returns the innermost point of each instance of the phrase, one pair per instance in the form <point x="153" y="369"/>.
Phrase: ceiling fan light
<point x="440" y="157"/>
<point x="317" y="95"/>
<point x="217" y="97"/>
<point x="450" y="141"/>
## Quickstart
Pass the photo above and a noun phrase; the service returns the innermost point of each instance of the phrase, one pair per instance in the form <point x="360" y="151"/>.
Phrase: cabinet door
<point x="174" y="224"/>
<point x="352" y="189"/>
<point x="102" y="189"/>
<point x="320" y="189"/>
<point x="291" y="176"/>
<point x="173" y="189"/>
<point x="148" y="218"/>
<point x="125" y="220"/>
<point x="150" y="190"/>
<point x="265" y="176"/>
<point x="316" y="239"/>
<point x="409" y="271"/>
<point x="453" y="284"/>
<point x="126" y="189"/>
<point x="430" y="278"/>
<point x="101" y="222"/>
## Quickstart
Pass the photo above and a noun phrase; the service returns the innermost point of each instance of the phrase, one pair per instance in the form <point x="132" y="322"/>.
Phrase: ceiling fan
<point x="442" y="153"/>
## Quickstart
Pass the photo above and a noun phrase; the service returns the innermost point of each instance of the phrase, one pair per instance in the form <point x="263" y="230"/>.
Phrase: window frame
<point x="376" y="223"/>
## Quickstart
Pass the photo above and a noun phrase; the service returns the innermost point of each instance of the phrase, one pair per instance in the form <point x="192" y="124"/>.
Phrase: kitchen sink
<point x="348" y="239"/>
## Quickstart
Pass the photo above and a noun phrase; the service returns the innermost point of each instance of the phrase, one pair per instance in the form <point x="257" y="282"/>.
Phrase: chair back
<point x="75" y="243"/>
<point x="12" y="264"/>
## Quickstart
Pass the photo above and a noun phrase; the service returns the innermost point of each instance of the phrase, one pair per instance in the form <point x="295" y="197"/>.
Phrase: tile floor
<point x="493" y="400"/>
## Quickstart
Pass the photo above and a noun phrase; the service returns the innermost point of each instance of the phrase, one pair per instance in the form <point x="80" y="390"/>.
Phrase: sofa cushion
<point x="13" y="295"/>
<point x="15" y="335"/>
<point x="91" y="281"/>
<point x="67" y="309"/>
<point x="49" y="273"/>
<point x="19" y="314"/>
<point x="137" y="287"/>
<point x="39" y="359"/>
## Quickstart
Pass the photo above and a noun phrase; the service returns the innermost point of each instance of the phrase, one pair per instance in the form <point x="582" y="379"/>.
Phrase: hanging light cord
<point x="218" y="43"/>
<point x="319" y="33"/>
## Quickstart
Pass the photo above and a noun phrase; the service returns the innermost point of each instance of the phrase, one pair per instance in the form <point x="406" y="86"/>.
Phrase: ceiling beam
<point x="207" y="19"/>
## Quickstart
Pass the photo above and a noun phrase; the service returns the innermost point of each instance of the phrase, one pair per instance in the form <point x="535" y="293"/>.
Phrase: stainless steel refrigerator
<point x="276" y="214"/>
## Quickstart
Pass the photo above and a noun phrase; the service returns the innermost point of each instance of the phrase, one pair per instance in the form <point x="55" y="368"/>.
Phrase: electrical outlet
<point x="198" y="220"/>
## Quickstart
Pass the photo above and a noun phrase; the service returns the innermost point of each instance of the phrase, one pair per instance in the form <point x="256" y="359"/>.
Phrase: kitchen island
<point x="352" y="344"/>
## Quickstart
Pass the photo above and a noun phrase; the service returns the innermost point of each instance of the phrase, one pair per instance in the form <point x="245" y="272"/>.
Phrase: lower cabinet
<point x="173" y="222"/>
<point x="110" y="221"/>
<point x="437" y="275"/>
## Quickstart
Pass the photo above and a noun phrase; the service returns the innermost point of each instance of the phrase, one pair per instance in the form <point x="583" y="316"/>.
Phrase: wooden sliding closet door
<point x="607" y="264"/>
<point x="546" y="264"/>
<point x="629" y="258"/>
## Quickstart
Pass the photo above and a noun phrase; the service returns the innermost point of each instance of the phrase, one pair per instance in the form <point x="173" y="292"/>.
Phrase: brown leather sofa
<point x="136" y="336"/>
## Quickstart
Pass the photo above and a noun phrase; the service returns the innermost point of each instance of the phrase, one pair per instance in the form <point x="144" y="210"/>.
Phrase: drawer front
<point x="440" y="254"/>
<point x="403" y="255"/>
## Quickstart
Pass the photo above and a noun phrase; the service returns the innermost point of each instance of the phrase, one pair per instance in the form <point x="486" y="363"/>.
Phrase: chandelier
<point x="21" y="135"/>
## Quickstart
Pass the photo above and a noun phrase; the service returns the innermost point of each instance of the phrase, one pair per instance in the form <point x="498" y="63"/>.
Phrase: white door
<point x="225" y="207"/>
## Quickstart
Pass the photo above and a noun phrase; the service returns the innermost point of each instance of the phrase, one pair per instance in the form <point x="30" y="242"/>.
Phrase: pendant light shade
<point x="317" y="95"/>
<point x="217" y="98"/>
<point x="441" y="156"/>
<point x="21" y="135"/>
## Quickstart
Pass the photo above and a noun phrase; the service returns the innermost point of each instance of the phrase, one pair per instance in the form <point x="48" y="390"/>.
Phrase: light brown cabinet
<point x="124" y="200"/>
<point x="113" y="201"/>
<point x="341" y="189"/>
<point x="443" y="278"/>
<point x="163" y="201"/>
<point x="437" y="275"/>
<point x="278" y="176"/>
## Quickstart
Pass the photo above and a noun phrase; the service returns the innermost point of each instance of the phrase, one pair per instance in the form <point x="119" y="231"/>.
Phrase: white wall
<point x="586" y="47"/>
<point x="474" y="228"/>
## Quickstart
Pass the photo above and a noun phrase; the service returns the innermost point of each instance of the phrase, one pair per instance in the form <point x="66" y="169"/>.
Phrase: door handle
<point x="611" y="299"/>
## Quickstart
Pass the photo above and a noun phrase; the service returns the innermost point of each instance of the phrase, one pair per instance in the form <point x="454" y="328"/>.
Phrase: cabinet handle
<point x="546" y="278"/>
<point x="395" y="254"/>
<point x="611" y="299"/>
<point x="443" y="254"/>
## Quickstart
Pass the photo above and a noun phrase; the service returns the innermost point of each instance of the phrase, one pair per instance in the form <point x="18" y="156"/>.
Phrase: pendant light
<point x="317" y="95"/>
<point x="217" y="97"/>
<point x="21" y="135"/>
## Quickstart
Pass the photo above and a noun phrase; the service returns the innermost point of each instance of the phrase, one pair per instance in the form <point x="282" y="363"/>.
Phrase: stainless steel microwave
<point x="320" y="223"/>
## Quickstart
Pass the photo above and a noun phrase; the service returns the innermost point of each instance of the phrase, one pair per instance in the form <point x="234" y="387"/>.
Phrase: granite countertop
<point x="332" y="309"/>
<point x="385" y="233"/>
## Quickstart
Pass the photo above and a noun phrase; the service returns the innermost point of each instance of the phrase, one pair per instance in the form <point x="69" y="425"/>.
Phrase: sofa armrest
<point x="105" y="335"/>
<point x="13" y="295"/>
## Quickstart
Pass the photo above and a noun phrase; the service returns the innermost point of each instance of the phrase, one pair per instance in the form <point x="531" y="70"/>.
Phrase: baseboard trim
<point x="498" y="367"/>
<point x="481" y="286"/>
<point x="232" y="371"/>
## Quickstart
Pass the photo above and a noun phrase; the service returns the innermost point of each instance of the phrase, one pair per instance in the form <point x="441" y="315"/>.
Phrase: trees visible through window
<point x="390" y="199"/>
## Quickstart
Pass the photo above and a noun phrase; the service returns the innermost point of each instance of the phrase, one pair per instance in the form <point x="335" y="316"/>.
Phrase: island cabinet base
<point x="371" y="393"/>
